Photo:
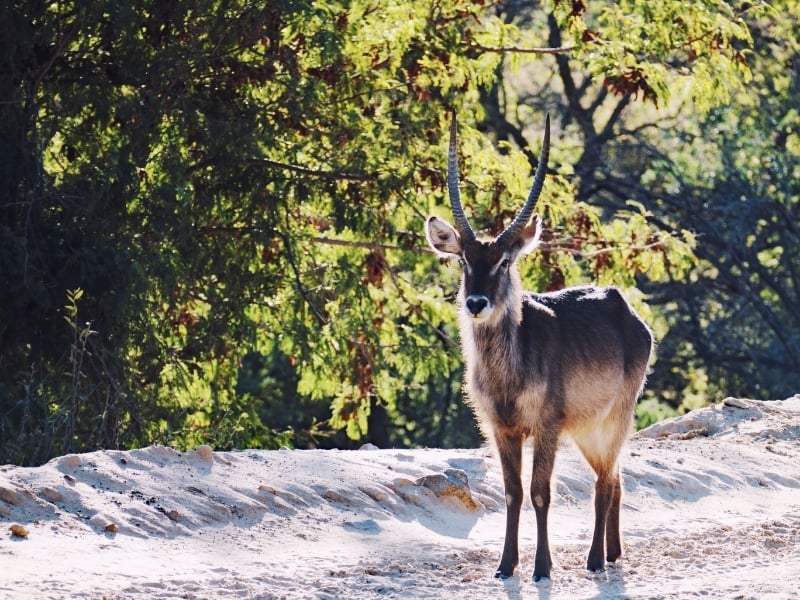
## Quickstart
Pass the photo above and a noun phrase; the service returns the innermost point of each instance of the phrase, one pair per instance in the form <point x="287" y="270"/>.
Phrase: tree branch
<point x="556" y="247"/>
<point x="298" y="281"/>
<point x="356" y="244"/>
<point x="583" y="118"/>
<point x="517" y="50"/>
<point x="312" y="172"/>
<point x="496" y="119"/>
<point x="608" y="130"/>
<point x="266" y="162"/>
<point x="417" y="310"/>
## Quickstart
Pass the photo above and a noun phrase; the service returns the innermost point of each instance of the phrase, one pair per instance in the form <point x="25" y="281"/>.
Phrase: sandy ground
<point x="711" y="510"/>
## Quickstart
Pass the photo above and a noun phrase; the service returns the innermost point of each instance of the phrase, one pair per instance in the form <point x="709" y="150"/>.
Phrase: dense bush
<point x="211" y="213"/>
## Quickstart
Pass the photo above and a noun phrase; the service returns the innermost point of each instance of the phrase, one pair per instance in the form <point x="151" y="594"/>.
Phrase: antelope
<point x="540" y="365"/>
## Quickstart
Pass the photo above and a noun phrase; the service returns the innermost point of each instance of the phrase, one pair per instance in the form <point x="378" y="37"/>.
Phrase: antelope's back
<point x="592" y="340"/>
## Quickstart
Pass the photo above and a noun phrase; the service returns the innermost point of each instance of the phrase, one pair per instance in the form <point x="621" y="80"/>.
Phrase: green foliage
<point x="651" y="49"/>
<point x="651" y="411"/>
<point x="735" y="325"/>
<point x="230" y="196"/>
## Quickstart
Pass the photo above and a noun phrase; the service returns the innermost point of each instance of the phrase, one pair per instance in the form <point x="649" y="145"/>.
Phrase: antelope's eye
<point x="504" y="265"/>
<point x="461" y="262"/>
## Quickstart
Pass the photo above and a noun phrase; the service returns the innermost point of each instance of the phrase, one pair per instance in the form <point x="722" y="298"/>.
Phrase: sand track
<point x="711" y="510"/>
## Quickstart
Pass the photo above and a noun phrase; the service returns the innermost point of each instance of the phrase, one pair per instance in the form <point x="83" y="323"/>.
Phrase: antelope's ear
<point x="443" y="238"/>
<point x="528" y="238"/>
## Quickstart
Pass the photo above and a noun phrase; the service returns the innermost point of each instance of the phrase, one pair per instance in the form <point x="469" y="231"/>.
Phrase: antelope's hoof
<point x="504" y="573"/>
<point x="596" y="568"/>
<point x="541" y="568"/>
<point x="541" y="573"/>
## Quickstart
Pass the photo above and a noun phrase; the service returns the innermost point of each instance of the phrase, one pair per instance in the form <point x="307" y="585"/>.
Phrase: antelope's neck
<point x="492" y="344"/>
<point x="494" y="374"/>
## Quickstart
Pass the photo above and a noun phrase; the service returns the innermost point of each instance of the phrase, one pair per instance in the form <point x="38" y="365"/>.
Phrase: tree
<point x="736" y="320"/>
<point x="212" y="191"/>
<point x="681" y="155"/>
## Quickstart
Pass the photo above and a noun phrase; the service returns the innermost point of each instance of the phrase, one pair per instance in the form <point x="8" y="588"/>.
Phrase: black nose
<point x="475" y="304"/>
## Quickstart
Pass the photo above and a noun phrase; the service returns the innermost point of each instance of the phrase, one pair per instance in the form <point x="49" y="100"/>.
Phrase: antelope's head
<point x="490" y="282"/>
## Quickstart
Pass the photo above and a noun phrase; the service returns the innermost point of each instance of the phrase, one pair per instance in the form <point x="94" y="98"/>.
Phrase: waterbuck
<point x="539" y="365"/>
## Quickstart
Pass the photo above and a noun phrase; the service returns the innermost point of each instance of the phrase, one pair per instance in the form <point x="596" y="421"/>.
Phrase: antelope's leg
<point x="510" y="451"/>
<point x="603" y="495"/>
<point x="544" y="453"/>
<point x="613" y="540"/>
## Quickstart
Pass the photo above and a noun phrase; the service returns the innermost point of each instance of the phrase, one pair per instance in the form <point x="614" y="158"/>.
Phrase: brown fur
<point x="541" y="365"/>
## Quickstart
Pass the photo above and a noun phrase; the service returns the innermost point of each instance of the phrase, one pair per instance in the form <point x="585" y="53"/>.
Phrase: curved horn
<point x="512" y="231"/>
<point x="464" y="229"/>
